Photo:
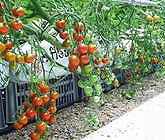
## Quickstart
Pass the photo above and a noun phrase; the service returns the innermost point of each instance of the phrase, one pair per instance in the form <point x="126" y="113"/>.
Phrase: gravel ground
<point x="70" y="121"/>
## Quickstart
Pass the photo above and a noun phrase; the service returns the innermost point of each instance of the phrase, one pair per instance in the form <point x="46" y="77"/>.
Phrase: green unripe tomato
<point x="93" y="79"/>
<point x="88" y="91"/>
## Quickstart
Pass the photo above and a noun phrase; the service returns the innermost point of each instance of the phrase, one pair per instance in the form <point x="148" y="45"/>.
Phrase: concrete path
<point x="146" y="122"/>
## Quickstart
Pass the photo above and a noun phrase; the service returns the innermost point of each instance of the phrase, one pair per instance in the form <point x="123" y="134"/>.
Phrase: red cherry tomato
<point x="16" y="25"/>
<point x="17" y="125"/>
<point x="74" y="60"/>
<point x="35" y="136"/>
<point x="41" y="126"/>
<point x="43" y="87"/>
<point x="79" y="26"/>
<point x="64" y="35"/>
<point x="3" y="29"/>
<point x="84" y="59"/>
<point x="52" y="109"/>
<point x="55" y="95"/>
<point x="79" y="37"/>
<point x="45" y="98"/>
<point x="37" y="101"/>
<point x="92" y="48"/>
<point x="18" y="11"/>
<point x="31" y="94"/>
<point x="82" y="48"/>
<point x="45" y="115"/>
<point x="105" y="60"/>
<point x="60" y="24"/>
<point x="30" y="113"/>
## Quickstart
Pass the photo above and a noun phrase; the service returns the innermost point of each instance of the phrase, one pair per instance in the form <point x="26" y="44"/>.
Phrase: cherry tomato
<point x="64" y="35"/>
<point x="82" y="48"/>
<point x="16" y="25"/>
<point x="10" y="57"/>
<point x="156" y="18"/>
<point x="137" y="69"/>
<point x="3" y="29"/>
<point x="154" y="60"/>
<point x="52" y="109"/>
<point x="30" y="58"/>
<point x="2" y="47"/>
<point x="74" y="60"/>
<point x="79" y="37"/>
<point x="20" y="59"/>
<point x="30" y="113"/>
<point x="41" y="126"/>
<point x="92" y="48"/>
<point x="52" y="101"/>
<point x="141" y="58"/>
<point x="54" y="95"/>
<point x="37" y="101"/>
<point x="45" y="115"/>
<point x="18" y="11"/>
<point x="23" y="120"/>
<point x="84" y="59"/>
<point x="105" y="60"/>
<point x="45" y="98"/>
<point x="43" y="87"/>
<point x="67" y="43"/>
<point x="26" y="105"/>
<point x="79" y="26"/>
<point x="35" y="136"/>
<point x="97" y="61"/>
<point x="17" y="125"/>
<point x="8" y="45"/>
<point x="60" y="24"/>
<point x="149" y="18"/>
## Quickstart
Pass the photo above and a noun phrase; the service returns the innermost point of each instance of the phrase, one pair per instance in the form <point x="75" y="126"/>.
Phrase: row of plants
<point x="101" y="38"/>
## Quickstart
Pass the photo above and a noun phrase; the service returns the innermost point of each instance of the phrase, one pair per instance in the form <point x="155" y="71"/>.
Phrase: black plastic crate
<point x="13" y="97"/>
<point x="67" y="89"/>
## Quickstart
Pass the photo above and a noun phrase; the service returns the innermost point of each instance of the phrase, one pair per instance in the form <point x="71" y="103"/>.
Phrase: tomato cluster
<point x="34" y="107"/>
<point x="5" y="49"/>
<point x="15" y="23"/>
<point x="154" y="18"/>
